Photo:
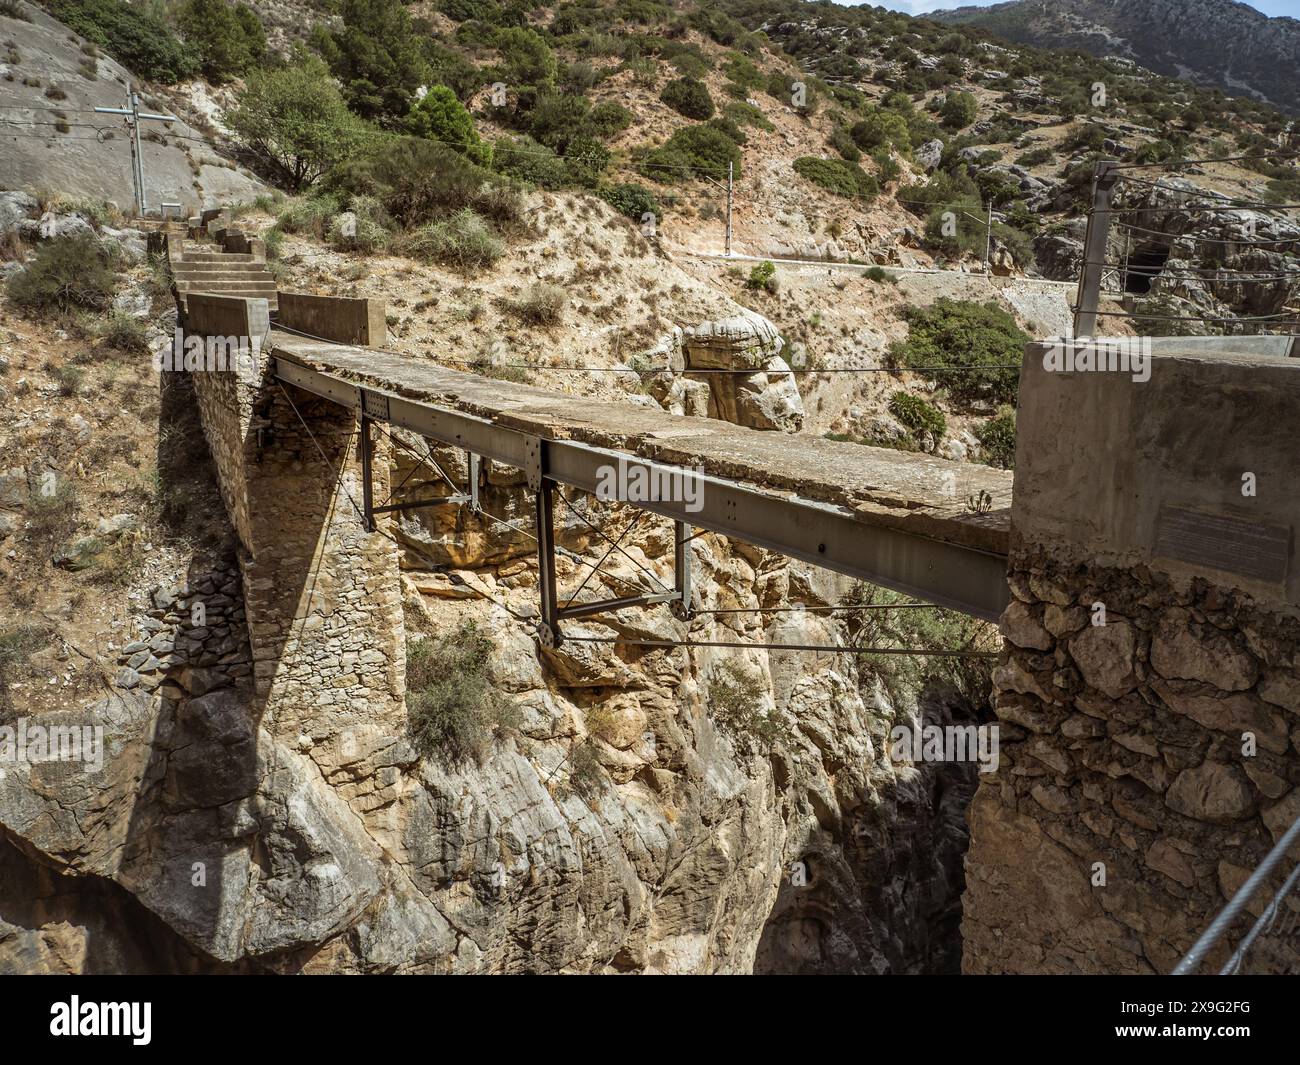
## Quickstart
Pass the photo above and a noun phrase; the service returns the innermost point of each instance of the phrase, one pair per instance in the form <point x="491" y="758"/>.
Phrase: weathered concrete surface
<point x="914" y="493"/>
<point x="1099" y="455"/>
<point x="339" y="318"/>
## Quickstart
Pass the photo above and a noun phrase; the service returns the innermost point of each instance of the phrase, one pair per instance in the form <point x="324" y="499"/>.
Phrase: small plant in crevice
<point x="454" y="710"/>
<point x="737" y="698"/>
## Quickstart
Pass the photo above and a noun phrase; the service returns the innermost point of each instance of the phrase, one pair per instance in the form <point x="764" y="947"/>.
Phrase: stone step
<point x="215" y="257"/>
<point x="256" y="289"/>
<point x="192" y="270"/>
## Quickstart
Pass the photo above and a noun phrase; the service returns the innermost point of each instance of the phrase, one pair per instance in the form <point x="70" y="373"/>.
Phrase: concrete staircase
<point x="206" y="268"/>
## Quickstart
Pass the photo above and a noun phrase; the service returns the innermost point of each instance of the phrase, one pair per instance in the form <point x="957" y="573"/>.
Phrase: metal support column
<point x="367" y="489"/>
<point x="682" y="569"/>
<point x="548" y="631"/>
<point x="1088" y="299"/>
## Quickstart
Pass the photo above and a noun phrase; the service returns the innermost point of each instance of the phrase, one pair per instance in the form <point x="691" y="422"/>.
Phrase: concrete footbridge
<point x="902" y="520"/>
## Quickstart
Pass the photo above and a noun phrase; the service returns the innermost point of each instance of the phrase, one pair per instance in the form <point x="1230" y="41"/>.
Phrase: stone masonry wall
<point x="322" y="595"/>
<point x="1162" y="744"/>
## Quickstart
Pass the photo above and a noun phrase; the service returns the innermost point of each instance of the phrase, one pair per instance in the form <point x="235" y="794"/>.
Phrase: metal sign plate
<point x="1255" y="549"/>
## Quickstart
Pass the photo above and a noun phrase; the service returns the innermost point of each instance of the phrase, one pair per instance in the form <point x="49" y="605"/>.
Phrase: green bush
<point x="736" y="696"/>
<point x="17" y="645"/>
<point x="366" y="231"/>
<point x="124" y="332"/>
<point x="585" y="159"/>
<point x="917" y="414"/>
<point x="1086" y="137"/>
<point x="842" y="141"/>
<point x="881" y="129"/>
<point x="415" y="180"/>
<point x="630" y="199"/>
<point x="453" y="707"/>
<point x="463" y="241"/>
<point x="441" y="117"/>
<point x="997" y="438"/>
<point x="526" y="58"/>
<point x="974" y="350"/>
<point x="526" y="160"/>
<point x="377" y="56"/>
<point x="688" y="97"/>
<point x="228" y="39"/>
<point x="959" y="110"/>
<point x="690" y="149"/>
<point x="907" y="676"/>
<point x="294" y="121"/>
<point x="762" y="276"/>
<point x="540" y="304"/>
<point x="606" y="120"/>
<point x="880" y="275"/>
<point x="132" y="35"/>
<point x="746" y="114"/>
<point x="837" y="176"/>
<point x="1035" y="157"/>
<point x="311" y="214"/>
<point x="69" y="273"/>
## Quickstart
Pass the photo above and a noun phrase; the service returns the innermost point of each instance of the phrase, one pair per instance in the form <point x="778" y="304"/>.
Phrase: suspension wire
<point x="614" y="545"/>
<point x="1265" y="923"/>
<point x="1192" y="959"/>
<point x="1194" y="317"/>
<point x="1153" y="271"/>
<point x="629" y="369"/>
<point x="1214" y="198"/>
<point x="609" y="551"/>
<point x="835" y="608"/>
<point x="319" y="451"/>
<point x="920" y="652"/>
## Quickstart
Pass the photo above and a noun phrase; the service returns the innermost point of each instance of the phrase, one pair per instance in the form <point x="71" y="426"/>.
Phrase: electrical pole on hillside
<point x="134" y="117"/>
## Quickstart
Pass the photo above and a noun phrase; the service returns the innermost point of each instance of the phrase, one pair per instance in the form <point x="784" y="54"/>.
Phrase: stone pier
<point x="1149" y="697"/>
<point x="322" y="594"/>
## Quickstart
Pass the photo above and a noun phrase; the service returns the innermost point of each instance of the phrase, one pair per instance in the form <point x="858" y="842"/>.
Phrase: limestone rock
<point x="1179" y="653"/>
<point x="1105" y="657"/>
<point x="1214" y="792"/>
<point x="1021" y="627"/>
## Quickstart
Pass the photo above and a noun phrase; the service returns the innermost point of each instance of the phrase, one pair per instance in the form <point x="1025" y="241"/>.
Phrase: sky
<point x="920" y="7"/>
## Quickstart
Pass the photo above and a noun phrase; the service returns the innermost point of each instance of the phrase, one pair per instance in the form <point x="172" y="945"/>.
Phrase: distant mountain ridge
<point x="1211" y="42"/>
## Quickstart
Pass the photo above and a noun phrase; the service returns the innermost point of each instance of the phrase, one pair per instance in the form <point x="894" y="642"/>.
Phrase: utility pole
<point x="988" y="235"/>
<point x="729" y="192"/>
<point x="134" y="117"/>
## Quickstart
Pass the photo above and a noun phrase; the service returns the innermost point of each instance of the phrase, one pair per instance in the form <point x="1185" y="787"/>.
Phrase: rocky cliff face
<point x="225" y="841"/>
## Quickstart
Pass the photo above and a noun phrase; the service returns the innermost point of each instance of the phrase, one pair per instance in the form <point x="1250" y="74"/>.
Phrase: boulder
<point x="15" y="208"/>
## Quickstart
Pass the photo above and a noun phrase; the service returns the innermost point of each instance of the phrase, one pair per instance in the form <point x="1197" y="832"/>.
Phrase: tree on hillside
<point x="526" y="58"/>
<point x="441" y="117"/>
<point x="229" y="39"/>
<point x="959" y="110"/>
<point x="295" y="121"/>
<point x="378" y="57"/>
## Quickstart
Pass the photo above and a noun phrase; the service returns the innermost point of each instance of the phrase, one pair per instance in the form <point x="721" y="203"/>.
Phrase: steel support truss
<point x="947" y="574"/>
